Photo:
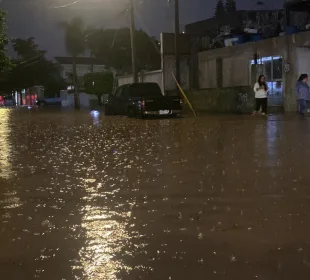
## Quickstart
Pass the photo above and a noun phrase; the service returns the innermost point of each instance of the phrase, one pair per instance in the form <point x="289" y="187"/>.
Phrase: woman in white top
<point x="261" y="91"/>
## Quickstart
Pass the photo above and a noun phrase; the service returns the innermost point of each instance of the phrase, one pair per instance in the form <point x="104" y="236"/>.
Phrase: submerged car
<point x="140" y="100"/>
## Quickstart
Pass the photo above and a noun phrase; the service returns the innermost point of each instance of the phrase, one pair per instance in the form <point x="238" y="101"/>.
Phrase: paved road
<point x="89" y="197"/>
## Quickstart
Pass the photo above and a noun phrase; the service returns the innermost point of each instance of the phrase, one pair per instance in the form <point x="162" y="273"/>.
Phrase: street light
<point x="176" y="40"/>
<point x="133" y="42"/>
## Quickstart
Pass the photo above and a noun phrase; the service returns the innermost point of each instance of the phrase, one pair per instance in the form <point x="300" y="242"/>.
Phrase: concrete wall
<point x="169" y="68"/>
<point x="207" y="73"/>
<point x="168" y="60"/>
<point x="303" y="60"/>
<point x="124" y="80"/>
<point x="147" y="77"/>
<point x="153" y="77"/>
<point x="223" y="100"/>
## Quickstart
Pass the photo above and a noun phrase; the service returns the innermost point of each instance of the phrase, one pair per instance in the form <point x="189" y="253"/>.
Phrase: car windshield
<point x="145" y="90"/>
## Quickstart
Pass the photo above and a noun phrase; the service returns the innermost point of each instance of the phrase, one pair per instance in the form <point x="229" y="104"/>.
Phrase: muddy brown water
<point x="84" y="196"/>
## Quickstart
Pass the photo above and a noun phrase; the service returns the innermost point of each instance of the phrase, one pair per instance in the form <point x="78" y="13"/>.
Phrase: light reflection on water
<point x="106" y="235"/>
<point x="10" y="199"/>
<point x="5" y="148"/>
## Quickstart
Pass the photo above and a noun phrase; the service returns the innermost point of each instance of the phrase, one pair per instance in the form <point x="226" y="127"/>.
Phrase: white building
<point x="84" y="65"/>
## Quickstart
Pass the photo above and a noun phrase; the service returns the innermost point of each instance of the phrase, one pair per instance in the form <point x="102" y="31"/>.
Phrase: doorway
<point x="272" y="68"/>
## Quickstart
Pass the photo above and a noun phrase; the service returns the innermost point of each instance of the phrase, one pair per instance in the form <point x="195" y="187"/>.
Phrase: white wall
<point x="147" y="77"/>
<point x="303" y="61"/>
<point x="81" y="69"/>
<point x="154" y="77"/>
<point x="124" y="80"/>
<point x="169" y="68"/>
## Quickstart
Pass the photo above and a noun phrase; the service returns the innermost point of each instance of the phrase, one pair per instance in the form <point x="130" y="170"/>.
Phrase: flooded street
<point x="84" y="196"/>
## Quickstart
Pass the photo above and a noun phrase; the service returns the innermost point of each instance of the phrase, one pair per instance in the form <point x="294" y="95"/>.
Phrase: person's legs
<point x="257" y="104"/>
<point x="298" y="106"/>
<point x="302" y="106"/>
<point x="264" y="105"/>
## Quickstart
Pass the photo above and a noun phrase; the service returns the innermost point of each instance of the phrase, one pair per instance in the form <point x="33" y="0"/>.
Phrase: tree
<point x="113" y="47"/>
<point x="230" y="6"/>
<point x="98" y="83"/>
<point x="220" y="10"/>
<point x="75" y="45"/>
<point x="26" y="48"/>
<point x="32" y="68"/>
<point x="5" y="62"/>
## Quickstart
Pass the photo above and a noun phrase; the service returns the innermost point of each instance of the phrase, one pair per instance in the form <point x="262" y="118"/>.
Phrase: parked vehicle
<point x="140" y="100"/>
<point x="7" y="101"/>
<point x="49" y="101"/>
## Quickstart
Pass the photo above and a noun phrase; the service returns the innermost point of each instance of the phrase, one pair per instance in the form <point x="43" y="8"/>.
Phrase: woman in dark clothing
<point x="302" y="93"/>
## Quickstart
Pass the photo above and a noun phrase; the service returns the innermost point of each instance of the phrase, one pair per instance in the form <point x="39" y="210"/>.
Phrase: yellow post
<point x="183" y="93"/>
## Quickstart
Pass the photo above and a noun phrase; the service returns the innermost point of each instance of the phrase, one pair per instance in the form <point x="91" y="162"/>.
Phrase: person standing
<point x="261" y="91"/>
<point x="302" y="93"/>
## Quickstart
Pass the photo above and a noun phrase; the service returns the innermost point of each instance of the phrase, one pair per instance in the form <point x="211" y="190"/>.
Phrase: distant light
<point x="29" y="107"/>
<point x="183" y="32"/>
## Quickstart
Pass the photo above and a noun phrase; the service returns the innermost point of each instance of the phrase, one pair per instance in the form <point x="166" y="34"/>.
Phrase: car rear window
<point x="145" y="90"/>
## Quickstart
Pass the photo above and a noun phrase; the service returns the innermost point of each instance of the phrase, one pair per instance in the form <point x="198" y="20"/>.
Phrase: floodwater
<point x="84" y="196"/>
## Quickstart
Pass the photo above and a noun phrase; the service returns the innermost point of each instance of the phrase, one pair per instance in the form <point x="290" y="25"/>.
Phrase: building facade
<point x="235" y="69"/>
<point x="84" y="65"/>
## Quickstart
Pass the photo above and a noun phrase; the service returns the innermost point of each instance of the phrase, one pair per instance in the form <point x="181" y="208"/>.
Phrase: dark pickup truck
<point x="140" y="100"/>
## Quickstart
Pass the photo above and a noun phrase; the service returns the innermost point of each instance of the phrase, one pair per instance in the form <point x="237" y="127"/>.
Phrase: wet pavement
<point x="83" y="196"/>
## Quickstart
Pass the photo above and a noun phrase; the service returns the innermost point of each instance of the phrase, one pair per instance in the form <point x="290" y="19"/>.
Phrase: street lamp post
<point x="133" y="42"/>
<point x="176" y="40"/>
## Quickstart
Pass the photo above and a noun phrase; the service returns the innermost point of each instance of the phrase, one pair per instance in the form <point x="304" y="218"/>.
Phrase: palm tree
<point x="75" y="45"/>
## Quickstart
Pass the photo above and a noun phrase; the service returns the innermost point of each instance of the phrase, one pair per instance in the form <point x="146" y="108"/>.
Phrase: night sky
<point x="39" y="18"/>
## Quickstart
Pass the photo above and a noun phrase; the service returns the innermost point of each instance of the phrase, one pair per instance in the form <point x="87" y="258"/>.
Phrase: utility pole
<point x="133" y="42"/>
<point x="176" y="40"/>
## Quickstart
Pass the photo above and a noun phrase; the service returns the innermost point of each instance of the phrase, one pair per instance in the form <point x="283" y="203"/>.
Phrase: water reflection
<point x="5" y="147"/>
<point x="272" y="143"/>
<point x="266" y="141"/>
<point x="106" y="235"/>
<point x="95" y="117"/>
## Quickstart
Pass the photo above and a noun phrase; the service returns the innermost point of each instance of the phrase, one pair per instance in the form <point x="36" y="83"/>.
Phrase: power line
<point x="67" y="5"/>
